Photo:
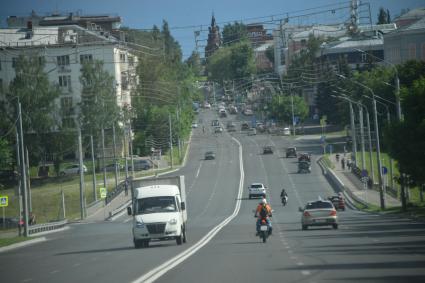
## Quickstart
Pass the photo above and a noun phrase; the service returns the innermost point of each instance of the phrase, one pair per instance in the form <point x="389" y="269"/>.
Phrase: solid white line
<point x="305" y="272"/>
<point x="54" y="271"/>
<point x="157" y="272"/>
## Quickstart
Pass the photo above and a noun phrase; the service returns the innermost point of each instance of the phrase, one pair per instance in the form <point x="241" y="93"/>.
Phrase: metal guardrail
<point x="38" y="228"/>
<point x="115" y="192"/>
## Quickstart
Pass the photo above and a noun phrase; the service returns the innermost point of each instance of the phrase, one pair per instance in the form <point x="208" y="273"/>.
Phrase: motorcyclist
<point x="263" y="204"/>
<point x="283" y="195"/>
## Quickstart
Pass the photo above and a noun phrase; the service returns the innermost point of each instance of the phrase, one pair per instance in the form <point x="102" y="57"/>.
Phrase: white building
<point x="64" y="49"/>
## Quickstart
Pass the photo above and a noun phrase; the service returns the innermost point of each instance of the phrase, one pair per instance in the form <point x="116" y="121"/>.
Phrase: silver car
<point x="319" y="213"/>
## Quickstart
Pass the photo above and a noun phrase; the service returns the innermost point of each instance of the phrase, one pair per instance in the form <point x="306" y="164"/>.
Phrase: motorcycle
<point x="284" y="200"/>
<point x="265" y="230"/>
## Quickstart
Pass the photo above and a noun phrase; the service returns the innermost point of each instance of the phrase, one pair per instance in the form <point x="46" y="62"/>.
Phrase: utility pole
<point x="27" y="170"/>
<point x="81" y="171"/>
<point x="115" y="156"/>
<point x="171" y="141"/>
<point x="23" y="175"/>
<point x="131" y="150"/>
<point x="362" y="137"/>
<point x="94" y="168"/>
<point x="353" y="133"/>
<point x="292" y="107"/>
<point x="103" y="157"/>
<point x="19" y="188"/>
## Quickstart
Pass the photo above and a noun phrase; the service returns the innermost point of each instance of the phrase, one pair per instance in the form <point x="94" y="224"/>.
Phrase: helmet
<point x="264" y="201"/>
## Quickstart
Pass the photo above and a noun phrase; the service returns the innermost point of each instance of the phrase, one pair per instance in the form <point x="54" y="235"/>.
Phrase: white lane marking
<point x="293" y="257"/>
<point x="196" y="177"/>
<point x="27" y="280"/>
<point x="290" y="252"/>
<point x="199" y="170"/>
<point x="300" y="263"/>
<point x="157" y="272"/>
<point x="305" y="272"/>
<point x="54" y="271"/>
<point x="76" y="264"/>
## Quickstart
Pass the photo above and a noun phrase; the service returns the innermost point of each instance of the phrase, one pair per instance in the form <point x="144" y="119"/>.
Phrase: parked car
<point x="111" y="167"/>
<point x="268" y="149"/>
<point x="8" y="222"/>
<point x="256" y="190"/>
<point x="141" y="164"/>
<point x="72" y="169"/>
<point x="291" y="152"/>
<point x="194" y="125"/>
<point x="209" y="155"/>
<point x="286" y="131"/>
<point x="215" y="123"/>
<point x="338" y="201"/>
<point x="319" y="213"/>
<point x="231" y="128"/>
<point x="207" y="105"/>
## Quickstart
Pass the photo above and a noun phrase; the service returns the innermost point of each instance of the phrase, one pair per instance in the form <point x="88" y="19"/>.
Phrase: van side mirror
<point x="129" y="212"/>
<point x="300" y="209"/>
<point x="183" y="205"/>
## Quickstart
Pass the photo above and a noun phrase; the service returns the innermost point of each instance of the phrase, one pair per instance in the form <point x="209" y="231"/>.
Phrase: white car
<point x="257" y="190"/>
<point x="207" y="105"/>
<point x="72" y="169"/>
<point x="194" y="125"/>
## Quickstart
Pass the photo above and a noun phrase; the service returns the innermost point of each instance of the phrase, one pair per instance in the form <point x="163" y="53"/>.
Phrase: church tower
<point x="214" y="39"/>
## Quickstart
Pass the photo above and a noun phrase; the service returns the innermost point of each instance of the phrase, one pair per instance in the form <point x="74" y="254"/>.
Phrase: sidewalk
<point x="356" y="187"/>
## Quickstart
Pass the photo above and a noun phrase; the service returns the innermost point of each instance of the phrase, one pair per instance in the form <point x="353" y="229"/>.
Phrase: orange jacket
<point x="260" y="206"/>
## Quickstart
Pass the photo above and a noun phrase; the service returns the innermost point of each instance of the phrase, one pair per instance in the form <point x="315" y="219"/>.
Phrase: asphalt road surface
<point x="222" y="246"/>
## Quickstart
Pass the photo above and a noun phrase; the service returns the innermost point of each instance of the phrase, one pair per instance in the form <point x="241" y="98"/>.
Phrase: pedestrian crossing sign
<point x="102" y="192"/>
<point x="4" y="201"/>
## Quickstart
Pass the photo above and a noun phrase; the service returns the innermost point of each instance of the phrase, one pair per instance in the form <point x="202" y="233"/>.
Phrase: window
<point x="68" y="122"/>
<point x="63" y="60"/>
<point x="122" y="57"/>
<point x="131" y="60"/>
<point x="14" y="61"/>
<point x="0" y="65"/>
<point x="364" y="57"/>
<point x="124" y="82"/>
<point x="1" y="86"/>
<point x="65" y="82"/>
<point x="412" y="51"/>
<point x="66" y="105"/>
<point x="86" y="58"/>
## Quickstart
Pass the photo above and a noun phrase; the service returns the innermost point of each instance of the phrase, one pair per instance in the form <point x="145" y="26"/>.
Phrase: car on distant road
<point x="244" y="126"/>
<point x="256" y="190"/>
<point x="319" y="213"/>
<point x="338" y="201"/>
<point x="141" y="164"/>
<point x="207" y="105"/>
<point x="286" y="131"/>
<point x="209" y="155"/>
<point x="252" y="132"/>
<point x="218" y="129"/>
<point x="111" y="167"/>
<point x="268" y="149"/>
<point x="291" y="152"/>
<point x="215" y="123"/>
<point x="72" y="169"/>
<point x="194" y="125"/>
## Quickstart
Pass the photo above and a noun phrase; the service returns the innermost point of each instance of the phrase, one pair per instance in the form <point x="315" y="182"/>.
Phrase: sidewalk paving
<point x="352" y="183"/>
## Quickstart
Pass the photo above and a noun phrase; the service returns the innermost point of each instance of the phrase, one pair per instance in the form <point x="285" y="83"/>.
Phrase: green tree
<point x="233" y="33"/>
<point x="235" y="61"/>
<point x="37" y="97"/>
<point x="98" y="105"/>
<point x="281" y="108"/>
<point x="270" y="53"/>
<point x="194" y="63"/>
<point x="410" y="71"/>
<point x="406" y="138"/>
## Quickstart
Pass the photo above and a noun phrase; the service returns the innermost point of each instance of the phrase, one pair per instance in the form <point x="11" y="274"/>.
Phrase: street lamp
<point x="378" y="149"/>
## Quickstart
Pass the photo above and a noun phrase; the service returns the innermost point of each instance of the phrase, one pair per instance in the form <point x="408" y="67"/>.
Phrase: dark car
<point x="268" y="150"/>
<point x="245" y="126"/>
<point x="338" y="201"/>
<point x="291" y="152"/>
<point x="209" y="155"/>
<point x="304" y="157"/>
<point x="304" y="167"/>
<point x="141" y="164"/>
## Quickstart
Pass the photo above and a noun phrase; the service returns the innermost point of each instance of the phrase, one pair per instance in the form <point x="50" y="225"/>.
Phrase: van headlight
<point x="140" y="224"/>
<point x="173" y="221"/>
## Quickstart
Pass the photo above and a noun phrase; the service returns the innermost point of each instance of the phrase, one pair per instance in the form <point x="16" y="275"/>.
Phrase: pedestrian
<point x="126" y="187"/>
<point x="343" y="164"/>
<point x="32" y="219"/>
<point x="349" y="164"/>
<point x="337" y="157"/>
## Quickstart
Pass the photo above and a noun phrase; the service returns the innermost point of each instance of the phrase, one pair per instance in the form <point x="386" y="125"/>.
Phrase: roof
<point x="350" y="45"/>
<point x="157" y="190"/>
<point x="412" y="14"/>
<point x="324" y="30"/>
<point x="263" y="47"/>
<point x="419" y="24"/>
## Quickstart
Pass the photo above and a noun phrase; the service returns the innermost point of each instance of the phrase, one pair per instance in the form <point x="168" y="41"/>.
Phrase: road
<point x="366" y="247"/>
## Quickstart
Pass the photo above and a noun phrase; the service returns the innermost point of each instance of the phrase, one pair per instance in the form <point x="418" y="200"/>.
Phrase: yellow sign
<point x="4" y="201"/>
<point x="103" y="192"/>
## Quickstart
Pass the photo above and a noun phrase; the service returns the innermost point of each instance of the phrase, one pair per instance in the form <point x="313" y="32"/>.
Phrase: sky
<point x="187" y="16"/>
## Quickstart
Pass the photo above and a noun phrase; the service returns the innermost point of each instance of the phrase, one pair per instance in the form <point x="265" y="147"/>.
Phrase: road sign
<point x="4" y="201"/>
<point x="384" y="170"/>
<point x="365" y="179"/>
<point x="102" y="192"/>
<point x="322" y="139"/>
<point x="364" y="173"/>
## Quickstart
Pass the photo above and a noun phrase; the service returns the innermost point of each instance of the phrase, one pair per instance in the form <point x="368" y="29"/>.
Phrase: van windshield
<point x="156" y="204"/>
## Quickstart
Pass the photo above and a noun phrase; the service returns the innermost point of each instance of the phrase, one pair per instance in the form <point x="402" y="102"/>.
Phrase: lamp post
<point x="378" y="149"/>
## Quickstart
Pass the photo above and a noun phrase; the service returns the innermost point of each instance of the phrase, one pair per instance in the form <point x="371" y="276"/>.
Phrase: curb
<point x="22" y="244"/>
